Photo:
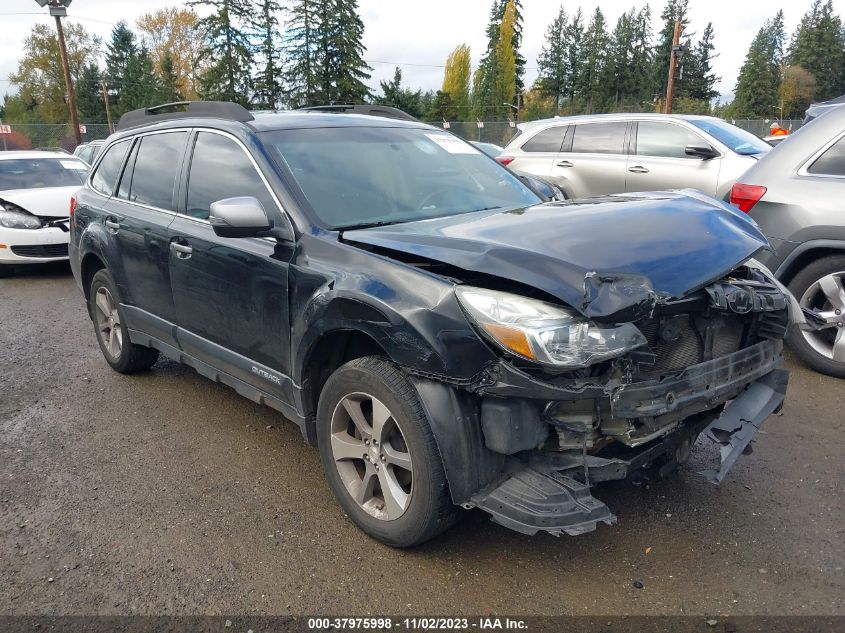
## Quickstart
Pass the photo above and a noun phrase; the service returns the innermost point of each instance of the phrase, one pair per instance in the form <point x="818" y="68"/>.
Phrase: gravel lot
<point x="165" y="493"/>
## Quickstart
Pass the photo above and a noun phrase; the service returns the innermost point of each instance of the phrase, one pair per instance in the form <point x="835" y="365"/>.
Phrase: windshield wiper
<point x="369" y="225"/>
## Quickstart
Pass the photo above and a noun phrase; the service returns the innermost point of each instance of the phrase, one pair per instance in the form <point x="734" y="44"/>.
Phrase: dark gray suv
<point x="795" y="193"/>
<point x="444" y="338"/>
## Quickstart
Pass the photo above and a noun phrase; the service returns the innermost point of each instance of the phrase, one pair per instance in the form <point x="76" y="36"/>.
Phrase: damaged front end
<point x="711" y="364"/>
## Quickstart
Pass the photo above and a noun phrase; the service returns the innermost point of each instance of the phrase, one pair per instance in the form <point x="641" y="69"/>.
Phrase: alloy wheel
<point x="371" y="456"/>
<point x="826" y="297"/>
<point x="108" y="322"/>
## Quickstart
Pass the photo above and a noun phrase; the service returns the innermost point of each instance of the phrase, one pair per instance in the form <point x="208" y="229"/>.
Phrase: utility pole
<point x="106" y="101"/>
<point x="58" y="9"/>
<point x="673" y="65"/>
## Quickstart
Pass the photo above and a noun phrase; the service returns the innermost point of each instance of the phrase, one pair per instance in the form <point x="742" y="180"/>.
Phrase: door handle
<point x="564" y="163"/>
<point x="183" y="251"/>
<point x="112" y="224"/>
<point x="638" y="169"/>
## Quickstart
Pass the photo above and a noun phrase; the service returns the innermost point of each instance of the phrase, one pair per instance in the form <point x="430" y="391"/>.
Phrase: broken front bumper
<point x="551" y="492"/>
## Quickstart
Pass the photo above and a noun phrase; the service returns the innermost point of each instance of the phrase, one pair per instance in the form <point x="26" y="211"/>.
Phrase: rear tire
<point x="110" y="327"/>
<point x="820" y="286"/>
<point x="394" y="488"/>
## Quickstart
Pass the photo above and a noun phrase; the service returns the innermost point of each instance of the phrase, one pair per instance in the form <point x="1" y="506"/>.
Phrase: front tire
<point x="820" y="287"/>
<point x="379" y="454"/>
<point x="110" y="325"/>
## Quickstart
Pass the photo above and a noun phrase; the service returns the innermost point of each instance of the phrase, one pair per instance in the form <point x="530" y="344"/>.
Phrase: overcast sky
<point x="419" y="35"/>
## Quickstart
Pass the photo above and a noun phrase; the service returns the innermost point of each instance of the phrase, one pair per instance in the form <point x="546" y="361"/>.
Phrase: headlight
<point x="18" y="220"/>
<point x="544" y="332"/>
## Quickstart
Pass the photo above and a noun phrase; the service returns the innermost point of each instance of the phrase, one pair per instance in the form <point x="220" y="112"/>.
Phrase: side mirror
<point x="704" y="152"/>
<point x="239" y="217"/>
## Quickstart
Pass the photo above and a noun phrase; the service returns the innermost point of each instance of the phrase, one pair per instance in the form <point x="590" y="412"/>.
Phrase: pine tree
<point x="169" y="80"/>
<point x="699" y="80"/>
<point x="757" y="85"/>
<point x="442" y="108"/>
<point x="484" y="84"/>
<point x="553" y="62"/>
<point x="119" y="51"/>
<point x="506" y="60"/>
<point x="620" y="57"/>
<point x="817" y="46"/>
<point x="575" y="43"/>
<point x="456" y="79"/>
<point x="347" y="71"/>
<point x="301" y="49"/>
<point x="267" y="82"/>
<point x="642" y="59"/>
<point x="674" y="11"/>
<point x="393" y="94"/>
<point x="142" y="88"/>
<point x="227" y="54"/>
<point x="593" y="77"/>
<point x="89" y="99"/>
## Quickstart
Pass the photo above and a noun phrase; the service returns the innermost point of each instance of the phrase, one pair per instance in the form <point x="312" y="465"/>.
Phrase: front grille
<point x="677" y="343"/>
<point x="41" y="250"/>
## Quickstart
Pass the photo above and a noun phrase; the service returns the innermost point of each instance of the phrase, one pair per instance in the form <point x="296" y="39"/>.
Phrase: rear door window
<point x="548" y="140"/>
<point x="666" y="140"/>
<point x="105" y="177"/>
<point x="600" y="138"/>
<point x="153" y="175"/>
<point x="832" y="162"/>
<point x="215" y="154"/>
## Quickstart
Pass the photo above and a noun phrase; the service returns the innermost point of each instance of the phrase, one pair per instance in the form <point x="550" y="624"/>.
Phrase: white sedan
<point x="35" y="192"/>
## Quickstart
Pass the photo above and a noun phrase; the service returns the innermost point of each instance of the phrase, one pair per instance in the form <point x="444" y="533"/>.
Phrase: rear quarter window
<point x="105" y="176"/>
<point x="832" y="162"/>
<point x="548" y="140"/>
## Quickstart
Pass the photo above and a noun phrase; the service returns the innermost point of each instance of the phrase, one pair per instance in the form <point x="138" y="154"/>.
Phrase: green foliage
<point x="302" y="52"/>
<point x="142" y="87"/>
<point x="553" y="63"/>
<point x="759" y="77"/>
<point x="89" y="98"/>
<point x="817" y="46"/>
<point x="267" y="80"/>
<point x="393" y="94"/>
<point x="120" y="50"/>
<point x="674" y="11"/>
<point x="489" y="83"/>
<point x="325" y="51"/>
<point x="228" y="53"/>
<point x="699" y="80"/>
<point x="40" y="78"/>
<point x="456" y="79"/>
<point x="593" y="77"/>
<point x="442" y="108"/>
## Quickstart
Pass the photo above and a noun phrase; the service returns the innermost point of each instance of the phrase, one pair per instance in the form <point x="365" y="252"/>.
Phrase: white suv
<point x="616" y="153"/>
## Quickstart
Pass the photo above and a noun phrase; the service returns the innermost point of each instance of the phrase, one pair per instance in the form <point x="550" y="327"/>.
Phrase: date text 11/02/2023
<point x="418" y="623"/>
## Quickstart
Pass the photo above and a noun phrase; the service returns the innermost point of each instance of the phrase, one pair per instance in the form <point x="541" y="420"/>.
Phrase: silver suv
<point x="795" y="195"/>
<point x="616" y="153"/>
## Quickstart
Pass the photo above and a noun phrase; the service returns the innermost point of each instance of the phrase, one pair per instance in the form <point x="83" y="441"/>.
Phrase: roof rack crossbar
<point x="388" y="112"/>
<point x="192" y="109"/>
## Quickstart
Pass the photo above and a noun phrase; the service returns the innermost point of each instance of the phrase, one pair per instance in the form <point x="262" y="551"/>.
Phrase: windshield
<point x="735" y="138"/>
<point x="359" y="176"/>
<point x="33" y="173"/>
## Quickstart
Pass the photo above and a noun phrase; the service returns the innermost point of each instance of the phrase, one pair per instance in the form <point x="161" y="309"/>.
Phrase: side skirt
<point x="204" y="369"/>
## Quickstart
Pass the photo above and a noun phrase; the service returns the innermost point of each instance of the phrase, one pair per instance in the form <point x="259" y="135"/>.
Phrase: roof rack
<point x="192" y="109"/>
<point x="388" y="112"/>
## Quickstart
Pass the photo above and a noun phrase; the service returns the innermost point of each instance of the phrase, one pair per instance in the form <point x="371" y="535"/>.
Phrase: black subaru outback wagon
<point x="444" y="339"/>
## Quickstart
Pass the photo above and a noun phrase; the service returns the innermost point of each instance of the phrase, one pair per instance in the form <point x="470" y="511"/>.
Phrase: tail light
<point x="72" y="206"/>
<point x="746" y="196"/>
<point x="504" y="160"/>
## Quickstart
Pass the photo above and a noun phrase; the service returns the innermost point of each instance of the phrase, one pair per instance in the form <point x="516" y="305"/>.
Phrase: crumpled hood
<point x="51" y="202"/>
<point x="607" y="257"/>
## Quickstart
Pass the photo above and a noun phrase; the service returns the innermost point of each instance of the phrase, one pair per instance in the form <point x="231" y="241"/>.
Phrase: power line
<point x="45" y="15"/>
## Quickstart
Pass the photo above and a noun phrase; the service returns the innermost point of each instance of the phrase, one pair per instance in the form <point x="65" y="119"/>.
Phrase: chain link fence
<point x="37" y="135"/>
<point x="45" y="135"/>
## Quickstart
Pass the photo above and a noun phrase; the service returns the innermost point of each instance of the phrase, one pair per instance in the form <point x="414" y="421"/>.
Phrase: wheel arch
<point x="804" y="255"/>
